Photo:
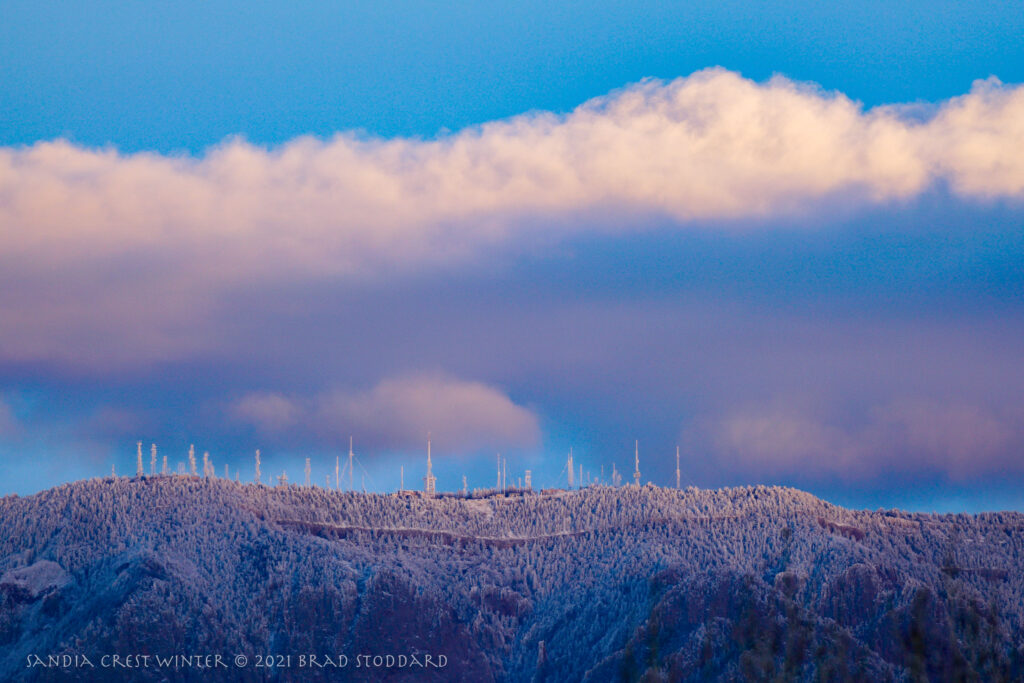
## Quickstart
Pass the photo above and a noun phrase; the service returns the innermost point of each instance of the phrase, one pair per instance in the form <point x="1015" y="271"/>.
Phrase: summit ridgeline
<point x="600" y="584"/>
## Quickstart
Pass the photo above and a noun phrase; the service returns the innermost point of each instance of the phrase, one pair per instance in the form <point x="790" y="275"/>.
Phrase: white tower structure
<point x="465" y="486"/>
<point x="636" y="464"/>
<point x="192" y="459"/>
<point x="152" y="461"/>
<point x="529" y="484"/>
<point x="351" y="472"/>
<point x="429" y="481"/>
<point x="283" y="479"/>
<point x="207" y="467"/>
<point x="337" y="473"/>
<point x="497" y="486"/>
<point x="138" y="468"/>
<point x="615" y="476"/>
<point x="307" y="471"/>
<point x="227" y="471"/>
<point x="401" y="478"/>
<point x="259" y="476"/>
<point x="504" y="475"/>
<point x="677" y="467"/>
<point x="572" y="469"/>
<point x="163" y="466"/>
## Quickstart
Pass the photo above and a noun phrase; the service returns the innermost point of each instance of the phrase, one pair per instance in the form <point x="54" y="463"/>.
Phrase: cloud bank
<point x="961" y="441"/>
<point x="461" y="416"/>
<point x="110" y="258"/>
<point x="707" y="147"/>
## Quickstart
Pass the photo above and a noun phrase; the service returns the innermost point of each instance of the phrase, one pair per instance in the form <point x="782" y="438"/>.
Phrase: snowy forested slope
<point x="600" y="584"/>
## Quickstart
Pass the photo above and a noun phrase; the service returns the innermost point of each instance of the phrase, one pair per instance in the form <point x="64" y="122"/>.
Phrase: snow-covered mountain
<point x="601" y="584"/>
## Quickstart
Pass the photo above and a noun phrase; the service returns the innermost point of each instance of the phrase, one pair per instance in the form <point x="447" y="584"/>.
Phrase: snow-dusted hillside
<point x="601" y="584"/>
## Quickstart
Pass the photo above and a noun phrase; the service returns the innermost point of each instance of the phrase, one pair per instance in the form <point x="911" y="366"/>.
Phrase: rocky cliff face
<point x="602" y="584"/>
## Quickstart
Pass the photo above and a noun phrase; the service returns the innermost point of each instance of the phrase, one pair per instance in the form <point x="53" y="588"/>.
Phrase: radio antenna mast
<point x="351" y="487"/>
<point x="430" y="480"/>
<point x="636" y="464"/>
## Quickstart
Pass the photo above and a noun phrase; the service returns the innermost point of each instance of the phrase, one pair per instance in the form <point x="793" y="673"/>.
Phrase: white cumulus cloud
<point x="101" y="250"/>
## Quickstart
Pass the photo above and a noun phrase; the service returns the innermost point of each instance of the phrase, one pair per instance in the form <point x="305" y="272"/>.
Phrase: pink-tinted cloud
<point x="112" y="258"/>
<point x="268" y="412"/>
<point x="959" y="441"/>
<point x="460" y="415"/>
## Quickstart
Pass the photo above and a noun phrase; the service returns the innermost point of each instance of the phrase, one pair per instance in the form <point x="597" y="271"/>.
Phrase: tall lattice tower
<point x="138" y="469"/>
<point x="351" y="473"/>
<point x="429" y="481"/>
<point x="636" y="464"/>
<point x="572" y="470"/>
<point x="192" y="459"/>
<point x="259" y="476"/>
<point x="307" y="471"/>
<point x="527" y="480"/>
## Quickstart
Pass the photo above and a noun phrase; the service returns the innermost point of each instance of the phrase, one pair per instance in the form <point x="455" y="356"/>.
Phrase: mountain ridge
<point x="595" y="584"/>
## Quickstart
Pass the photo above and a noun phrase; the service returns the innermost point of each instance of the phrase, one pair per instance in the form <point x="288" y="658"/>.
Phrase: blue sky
<point x="173" y="76"/>
<point x="790" y="241"/>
